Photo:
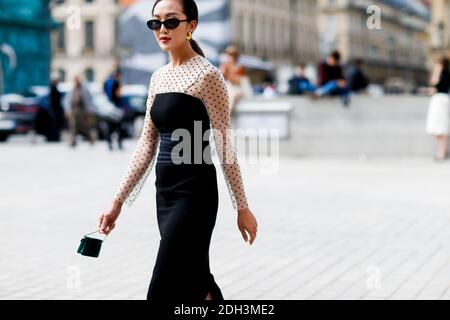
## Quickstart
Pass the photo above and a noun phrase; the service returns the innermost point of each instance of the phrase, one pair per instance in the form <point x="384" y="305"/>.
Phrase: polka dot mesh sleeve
<point x="215" y="97"/>
<point x="143" y="157"/>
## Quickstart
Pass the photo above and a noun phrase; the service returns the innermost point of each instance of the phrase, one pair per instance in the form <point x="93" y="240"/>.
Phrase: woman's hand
<point x="107" y="220"/>
<point x="247" y="224"/>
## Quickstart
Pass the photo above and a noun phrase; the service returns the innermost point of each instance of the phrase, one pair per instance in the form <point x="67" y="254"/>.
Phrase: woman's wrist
<point x="117" y="204"/>
<point x="243" y="210"/>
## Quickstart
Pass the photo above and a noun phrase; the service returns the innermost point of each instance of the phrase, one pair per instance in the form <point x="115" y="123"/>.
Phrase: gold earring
<point x="189" y="36"/>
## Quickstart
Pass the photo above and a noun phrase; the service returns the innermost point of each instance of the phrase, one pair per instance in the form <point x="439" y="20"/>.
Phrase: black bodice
<point x="184" y="128"/>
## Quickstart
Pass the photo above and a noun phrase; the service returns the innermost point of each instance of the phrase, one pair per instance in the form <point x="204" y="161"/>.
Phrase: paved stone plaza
<point x="343" y="228"/>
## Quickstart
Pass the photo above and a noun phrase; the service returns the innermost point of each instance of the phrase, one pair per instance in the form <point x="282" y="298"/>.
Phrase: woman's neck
<point x="177" y="59"/>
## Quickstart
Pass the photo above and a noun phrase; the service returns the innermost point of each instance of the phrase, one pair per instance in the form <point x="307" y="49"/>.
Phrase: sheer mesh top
<point x="201" y="79"/>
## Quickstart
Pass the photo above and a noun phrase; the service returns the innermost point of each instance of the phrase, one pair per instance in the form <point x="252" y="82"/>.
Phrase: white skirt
<point x="438" y="117"/>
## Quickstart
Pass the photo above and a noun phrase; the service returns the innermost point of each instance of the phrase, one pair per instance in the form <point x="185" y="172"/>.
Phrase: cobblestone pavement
<point x="328" y="228"/>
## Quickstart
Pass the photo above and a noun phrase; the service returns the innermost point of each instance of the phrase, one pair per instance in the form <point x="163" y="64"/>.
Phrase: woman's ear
<point x="193" y="26"/>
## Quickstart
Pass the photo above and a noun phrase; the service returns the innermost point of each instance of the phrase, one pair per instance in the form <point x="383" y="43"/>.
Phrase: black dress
<point x="187" y="202"/>
<point x="183" y="104"/>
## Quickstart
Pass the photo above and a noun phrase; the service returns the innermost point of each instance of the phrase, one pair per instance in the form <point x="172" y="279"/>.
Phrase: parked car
<point x="104" y="110"/>
<point x="134" y="101"/>
<point x="17" y="115"/>
<point x="134" y="98"/>
<point x="131" y="106"/>
<point x="21" y="113"/>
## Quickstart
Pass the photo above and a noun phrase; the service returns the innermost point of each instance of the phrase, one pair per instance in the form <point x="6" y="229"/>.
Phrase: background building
<point x="397" y="50"/>
<point x="272" y="35"/>
<point x="277" y="30"/>
<point x="85" y="43"/>
<point x="283" y="32"/>
<point x="267" y="32"/>
<point x="24" y="44"/>
<point x="440" y="28"/>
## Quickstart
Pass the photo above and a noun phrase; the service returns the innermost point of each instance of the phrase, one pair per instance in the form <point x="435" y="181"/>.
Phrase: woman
<point x="80" y="115"/>
<point x="233" y="74"/>
<point x="186" y="98"/>
<point x="438" y="118"/>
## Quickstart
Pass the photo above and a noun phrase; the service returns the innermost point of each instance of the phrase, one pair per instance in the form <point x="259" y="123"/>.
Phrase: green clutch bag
<point x="90" y="246"/>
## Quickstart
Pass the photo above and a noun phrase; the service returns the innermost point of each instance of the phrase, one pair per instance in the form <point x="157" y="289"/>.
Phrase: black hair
<point x="336" y="55"/>
<point x="445" y="63"/>
<point x="191" y="11"/>
<point x="358" y="62"/>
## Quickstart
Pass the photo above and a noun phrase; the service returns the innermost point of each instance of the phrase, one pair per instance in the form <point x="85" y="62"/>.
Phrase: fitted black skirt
<point x="187" y="203"/>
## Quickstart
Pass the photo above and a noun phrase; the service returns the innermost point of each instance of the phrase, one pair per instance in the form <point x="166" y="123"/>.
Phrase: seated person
<point x="299" y="83"/>
<point x="357" y="80"/>
<point x="332" y="80"/>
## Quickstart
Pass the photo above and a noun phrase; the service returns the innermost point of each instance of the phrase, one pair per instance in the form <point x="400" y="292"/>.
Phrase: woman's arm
<point x="217" y="103"/>
<point x="142" y="157"/>
<point x="138" y="169"/>
<point x="216" y="100"/>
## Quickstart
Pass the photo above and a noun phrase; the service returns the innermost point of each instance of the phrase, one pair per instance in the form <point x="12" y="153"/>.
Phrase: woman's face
<point x="177" y="37"/>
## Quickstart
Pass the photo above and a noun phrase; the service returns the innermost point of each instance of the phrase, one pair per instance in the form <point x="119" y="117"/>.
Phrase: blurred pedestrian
<point x="331" y="79"/>
<point x="56" y="110"/>
<point x="299" y="83"/>
<point x="112" y="87"/>
<point x="357" y="79"/>
<point x="80" y="113"/>
<point x="233" y="74"/>
<point x="438" y="117"/>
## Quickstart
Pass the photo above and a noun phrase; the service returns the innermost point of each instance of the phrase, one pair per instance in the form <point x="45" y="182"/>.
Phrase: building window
<point x="251" y="33"/>
<point x="88" y="1"/>
<point x="405" y="57"/>
<point x="61" y="75"/>
<point x="89" y="75"/>
<point x="89" y="35"/>
<point x="61" y="38"/>
<point x="116" y="31"/>
<point x="58" y="39"/>
<point x="240" y="29"/>
<point x="438" y="37"/>
<point x="392" y="47"/>
<point x="373" y="52"/>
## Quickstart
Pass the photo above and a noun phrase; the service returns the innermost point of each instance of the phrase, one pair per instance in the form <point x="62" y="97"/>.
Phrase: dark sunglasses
<point x="170" y="24"/>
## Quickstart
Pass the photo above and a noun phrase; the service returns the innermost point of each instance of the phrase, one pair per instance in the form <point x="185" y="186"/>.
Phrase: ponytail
<point x="196" y="47"/>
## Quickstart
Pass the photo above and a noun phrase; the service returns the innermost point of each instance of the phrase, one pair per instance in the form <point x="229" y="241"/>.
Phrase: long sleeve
<point x="142" y="159"/>
<point x="216" y="100"/>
